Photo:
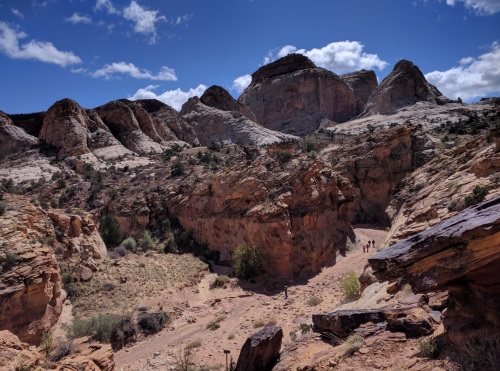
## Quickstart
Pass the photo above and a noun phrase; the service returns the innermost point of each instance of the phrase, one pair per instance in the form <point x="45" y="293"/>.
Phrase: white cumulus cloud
<point x="77" y="18"/>
<point x="174" y="98"/>
<point x="17" y="13"/>
<point x="473" y="78"/>
<point x="165" y="74"/>
<point x="240" y="83"/>
<point x="106" y="5"/>
<point x="481" y="7"/>
<point x="339" y="57"/>
<point x="144" y="20"/>
<point x="42" y="51"/>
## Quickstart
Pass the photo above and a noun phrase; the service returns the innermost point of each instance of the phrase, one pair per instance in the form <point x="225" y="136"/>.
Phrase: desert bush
<point x="148" y="241"/>
<point x="427" y="347"/>
<point x="184" y="360"/>
<point x="47" y="342"/>
<point x="247" y="261"/>
<point x="305" y="328"/>
<point x="353" y="343"/>
<point x="480" y="351"/>
<point x="171" y="247"/>
<point x="123" y="333"/>
<point x="258" y="323"/>
<point x="271" y="321"/>
<point x="221" y="281"/>
<point x="64" y="348"/>
<point x="177" y="169"/>
<point x="314" y="300"/>
<point x="3" y="207"/>
<point x="152" y="323"/>
<point x="350" y="286"/>
<point x="478" y="195"/>
<point x="293" y="335"/>
<point x="99" y="327"/>
<point x="213" y="325"/>
<point x="195" y="343"/>
<point x="130" y="244"/>
<point x="284" y="156"/>
<point x="110" y="230"/>
<point x="11" y="260"/>
<point x="121" y="251"/>
<point x="214" y="146"/>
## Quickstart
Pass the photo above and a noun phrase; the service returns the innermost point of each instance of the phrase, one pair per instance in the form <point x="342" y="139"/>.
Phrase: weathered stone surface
<point x="363" y="83"/>
<point x="291" y="95"/>
<point x="261" y="350"/>
<point x="415" y="321"/>
<point x="459" y="254"/>
<point x="31" y="123"/>
<point x="404" y="86"/>
<point x="75" y="131"/>
<point x="30" y="286"/>
<point x="90" y="356"/>
<point x="12" y="138"/>
<point x="218" y="97"/>
<point x="14" y="353"/>
<point x="213" y="124"/>
<point x="343" y="322"/>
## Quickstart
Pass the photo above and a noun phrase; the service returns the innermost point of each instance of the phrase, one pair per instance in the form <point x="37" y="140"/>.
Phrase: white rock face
<point x="212" y="124"/>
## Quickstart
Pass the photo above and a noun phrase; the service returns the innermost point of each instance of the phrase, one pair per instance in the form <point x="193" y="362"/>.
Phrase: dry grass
<point x="313" y="301"/>
<point x="195" y="343"/>
<point x="479" y="351"/>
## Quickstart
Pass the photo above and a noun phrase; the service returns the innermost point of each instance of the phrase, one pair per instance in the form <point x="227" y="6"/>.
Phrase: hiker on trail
<point x="369" y="242"/>
<point x="286" y="292"/>
<point x="364" y="248"/>
<point x="368" y="247"/>
<point x="373" y="243"/>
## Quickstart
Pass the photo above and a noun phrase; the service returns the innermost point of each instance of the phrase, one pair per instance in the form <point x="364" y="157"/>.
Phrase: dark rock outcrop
<point x="261" y="350"/>
<point x="12" y="138"/>
<point x="404" y="86"/>
<point x="31" y="123"/>
<point x="291" y="95"/>
<point x="212" y="124"/>
<point x="218" y="97"/>
<point x="343" y="322"/>
<point x="460" y="255"/>
<point x="363" y="83"/>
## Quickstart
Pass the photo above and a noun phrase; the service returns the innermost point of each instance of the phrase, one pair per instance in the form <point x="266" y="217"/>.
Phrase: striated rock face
<point x="212" y="124"/>
<point x="124" y="125"/>
<point x="261" y="350"/>
<point x="90" y="356"/>
<point x="76" y="131"/>
<point x="291" y="95"/>
<point x="218" y="97"/>
<point x="30" y="284"/>
<point x="168" y="123"/>
<point x="12" y="138"/>
<point x="404" y="86"/>
<point x="14" y="353"/>
<point x="363" y="83"/>
<point x="296" y="214"/>
<point x="460" y="255"/>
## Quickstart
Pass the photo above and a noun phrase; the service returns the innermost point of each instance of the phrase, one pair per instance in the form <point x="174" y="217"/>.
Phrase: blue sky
<point x="94" y="51"/>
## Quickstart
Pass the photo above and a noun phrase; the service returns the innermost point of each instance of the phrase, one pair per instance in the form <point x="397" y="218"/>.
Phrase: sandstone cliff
<point x="363" y="83"/>
<point x="76" y="131"/>
<point x="293" y="96"/>
<point x="212" y="124"/>
<point x="459" y="255"/>
<point x="218" y="97"/>
<point x="12" y="138"/>
<point x="404" y="86"/>
<point x="30" y="284"/>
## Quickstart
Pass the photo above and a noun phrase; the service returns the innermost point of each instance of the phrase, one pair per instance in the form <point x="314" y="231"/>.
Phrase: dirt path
<point x="237" y="312"/>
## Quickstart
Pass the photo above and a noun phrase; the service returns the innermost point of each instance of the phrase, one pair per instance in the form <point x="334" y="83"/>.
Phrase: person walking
<point x="373" y="243"/>
<point x="286" y="292"/>
<point x="364" y="248"/>
<point x="368" y="247"/>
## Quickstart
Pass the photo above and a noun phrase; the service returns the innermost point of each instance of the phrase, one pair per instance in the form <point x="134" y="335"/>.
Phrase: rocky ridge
<point x="218" y="97"/>
<point x="12" y="138"/>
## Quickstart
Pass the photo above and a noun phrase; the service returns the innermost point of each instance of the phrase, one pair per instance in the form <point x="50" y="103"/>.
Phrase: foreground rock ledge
<point x="461" y="254"/>
<point x="261" y="350"/>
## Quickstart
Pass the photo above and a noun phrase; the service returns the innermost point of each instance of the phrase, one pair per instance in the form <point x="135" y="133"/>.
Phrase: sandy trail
<point x="238" y="309"/>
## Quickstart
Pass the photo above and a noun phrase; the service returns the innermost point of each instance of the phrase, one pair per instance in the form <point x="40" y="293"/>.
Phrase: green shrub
<point x="47" y="342"/>
<point x="247" y="261"/>
<point x="64" y="348"/>
<point x="99" y="327"/>
<point x="3" y="207"/>
<point x="177" y="169"/>
<point x="284" y="156"/>
<point x="171" y="247"/>
<point x="11" y="260"/>
<point x="213" y="325"/>
<point x="123" y="333"/>
<point x="350" y="286"/>
<point x="427" y="347"/>
<point x="214" y="146"/>
<point x="313" y="301"/>
<point x="478" y="195"/>
<point x="110" y="230"/>
<point x="152" y="323"/>
<point x="130" y="244"/>
<point x="305" y="328"/>
<point x="221" y="281"/>
<point x="353" y="343"/>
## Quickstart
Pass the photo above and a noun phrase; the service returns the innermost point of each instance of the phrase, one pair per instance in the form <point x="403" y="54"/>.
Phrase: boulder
<point x="343" y="322"/>
<point x="293" y="96"/>
<point x="261" y="350"/>
<point x="404" y="86"/>
<point x="14" y="353"/>
<point x="363" y="83"/>
<point x="459" y="255"/>
<point x="218" y="97"/>
<point x="212" y="124"/>
<point x="12" y="138"/>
